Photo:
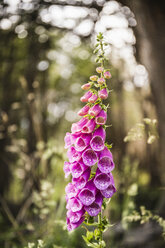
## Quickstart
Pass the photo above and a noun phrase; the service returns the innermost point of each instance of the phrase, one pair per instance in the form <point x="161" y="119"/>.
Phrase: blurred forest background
<point x="45" y="56"/>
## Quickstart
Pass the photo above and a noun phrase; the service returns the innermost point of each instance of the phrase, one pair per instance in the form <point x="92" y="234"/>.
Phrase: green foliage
<point x="140" y="129"/>
<point x="145" y="216"/>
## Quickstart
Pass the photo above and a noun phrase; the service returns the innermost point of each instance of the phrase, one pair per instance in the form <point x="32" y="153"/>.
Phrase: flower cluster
<point x="90" y="161"/>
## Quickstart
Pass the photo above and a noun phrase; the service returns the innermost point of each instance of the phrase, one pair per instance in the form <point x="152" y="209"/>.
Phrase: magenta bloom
<point x="82" y="142"/>
<point x="101" y="118"/>
<point x="95" y="110"/>
<point x="73" y="155"/>
<point x="89" y="126"/>
<point x="95" y="208"/>
<point x="98" y="139"/>
<point x="77" y="169"/>
<point x="72" y="226"/>
<point x="84" y="110"/>
<point x="89" y="157"/>
<point x="81" y="181"/>
<point x="86" y="96"/>
<point x="93" y="98"/>
<point x="87" y="195"/>
<point x="103" y="94"/>
<point x="106" y="163"/>
<point x="74" y="204"/>
<point x="77" y="127"/>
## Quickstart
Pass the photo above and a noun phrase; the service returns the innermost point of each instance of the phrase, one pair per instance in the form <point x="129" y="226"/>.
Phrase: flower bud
<point x="95" y="110"/>
<point x="86" y="96"/>
<point x="84" y="110"/>
<point x="101" y="81"/>
<point x="94" y="78"/>
<point x="86" y="86"/>
<point x="107" y="74"/>
<point x="103" y="94"/>
<point x="99" y="69"/>
<point x="93" y="98"/>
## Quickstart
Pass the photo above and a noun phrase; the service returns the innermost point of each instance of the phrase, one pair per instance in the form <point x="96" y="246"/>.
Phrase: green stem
<point x="100" y="227"/>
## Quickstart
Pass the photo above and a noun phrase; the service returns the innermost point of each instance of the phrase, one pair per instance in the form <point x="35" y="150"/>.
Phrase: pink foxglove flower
<point x="86" y="149"/>
<point x="93" y="98"/>
<point x="86" y="96"/>
<point x="103" y="94"/>
<point x="101" y="118"/>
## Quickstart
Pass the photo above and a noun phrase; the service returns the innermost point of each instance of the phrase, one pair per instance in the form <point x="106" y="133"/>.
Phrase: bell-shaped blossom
<point x="74" y="204"/>
<point x="84" y="110"/>
<point x="98" y="139"/>
<point x="99" y="69"/>
<point x="86" y="96"/>
<point x="95" y="208"/>
<point x="102" y="180"/>
<point x="81" y="181"/>
<point x="101" y="118"/>
<point x="93" y="98"/>
<point x="86" y="86"/>
<point x="89" y="157"/>
<point x="72" y="226"/>
<point x="103" y="94"/>
<point x="77" y="169"/>
<point x="82" y="142"/>
<point x="77" y="127"/>
<point x="101" y="81"/>
<point x="87" y="194"/>
<point x="95" y="110"/>
<point x="107" y="74"/>
<point x="89" y="126"/>
<point x="71" y="190"/>
<point x="105" y="163"/>
<point x="73" y="155"/>
<point x="74" y="217"/>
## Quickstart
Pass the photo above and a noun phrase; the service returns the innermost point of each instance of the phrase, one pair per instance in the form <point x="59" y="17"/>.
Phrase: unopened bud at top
<point x="99" y="69"/>
<point x="101" y="81"/>
<point x="107" y="74"/>
<point x="86" y="86"/>
<point x="94" y="78"/>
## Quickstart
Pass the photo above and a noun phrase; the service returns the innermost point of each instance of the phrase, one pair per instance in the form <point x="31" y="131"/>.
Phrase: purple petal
<point x="101" y="118"/>
<point x="68" y="140"/>
<point x="82" y="180"/>
<point x="95" y="208"/>
<point x="102" y="181"/>
<point x="82" y="142"/>
<point x="71" y="190"/>
<point x="95" y="110"/>
<point x="106" y="163"/>
<point x="75" y="216"/>
<point x="89" y="157"/>
<point x="97" y="142"/>
<point x="74" y="204"/>
<point x="66" y="169"/>
<point x="89" y="126"/>
<point x="108" y="192"/>
<point x="73" y="155"/>
<point x="72" y="226"/>
<point x="86" y="197"/>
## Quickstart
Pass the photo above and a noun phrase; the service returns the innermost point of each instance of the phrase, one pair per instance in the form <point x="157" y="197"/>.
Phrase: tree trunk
<point x="150" y="36"/>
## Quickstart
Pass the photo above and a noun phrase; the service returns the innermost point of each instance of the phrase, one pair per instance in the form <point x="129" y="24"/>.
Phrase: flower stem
<point x="100" y="227"/>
